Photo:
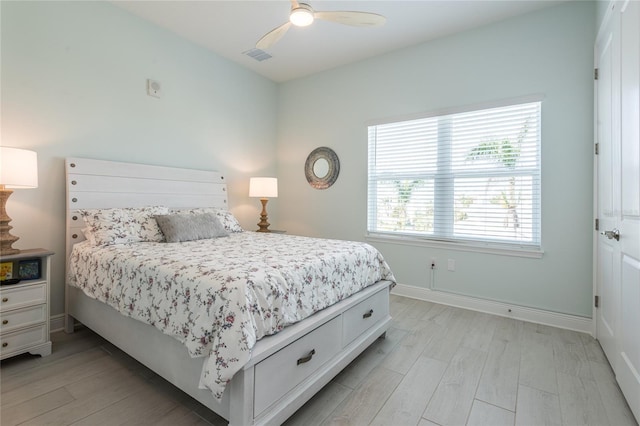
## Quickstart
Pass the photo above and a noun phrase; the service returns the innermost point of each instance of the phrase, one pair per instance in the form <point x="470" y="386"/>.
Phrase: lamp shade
<point x="263" y="187"/>
<point x="18" y="168"/>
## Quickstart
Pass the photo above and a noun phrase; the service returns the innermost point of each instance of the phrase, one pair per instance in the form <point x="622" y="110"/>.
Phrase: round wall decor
<point x="322" y="168"/>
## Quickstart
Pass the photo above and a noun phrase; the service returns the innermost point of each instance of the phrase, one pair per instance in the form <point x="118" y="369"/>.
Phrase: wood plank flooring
<point x="437" y="366"/>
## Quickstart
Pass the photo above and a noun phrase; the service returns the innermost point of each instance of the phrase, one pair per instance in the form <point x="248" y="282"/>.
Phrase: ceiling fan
<point x="303" y="15"/>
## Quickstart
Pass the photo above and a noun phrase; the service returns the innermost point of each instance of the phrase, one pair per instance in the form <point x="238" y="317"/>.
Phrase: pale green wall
<point x="548" y="52"/>
<point x="74" y="84"/>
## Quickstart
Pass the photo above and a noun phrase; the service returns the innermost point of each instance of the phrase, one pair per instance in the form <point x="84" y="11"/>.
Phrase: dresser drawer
<point x="282" y="371"/>
<point x="16" y="341"/>
<point x="21" y="296"/>
<point x="24" y="317"/>
<point x="365" y="314"/>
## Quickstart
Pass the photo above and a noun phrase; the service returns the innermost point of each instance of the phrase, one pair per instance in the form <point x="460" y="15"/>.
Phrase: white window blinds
<point x="471" y="176"/>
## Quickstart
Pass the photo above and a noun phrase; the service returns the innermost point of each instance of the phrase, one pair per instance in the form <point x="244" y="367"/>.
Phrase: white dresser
<point x="24" y="307"/>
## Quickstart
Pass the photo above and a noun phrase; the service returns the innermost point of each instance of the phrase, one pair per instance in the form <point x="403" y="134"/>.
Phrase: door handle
<point x="614" y="234"/>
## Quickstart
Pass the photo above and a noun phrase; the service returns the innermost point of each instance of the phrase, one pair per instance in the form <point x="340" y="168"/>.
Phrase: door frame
<point x="611" y="9"/>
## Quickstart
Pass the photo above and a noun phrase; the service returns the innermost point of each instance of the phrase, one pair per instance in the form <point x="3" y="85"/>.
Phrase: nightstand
<point x="24" y="307"/>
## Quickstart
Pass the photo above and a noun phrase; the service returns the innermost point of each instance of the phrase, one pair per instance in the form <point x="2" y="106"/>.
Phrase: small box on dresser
<point x="24" y="306"/>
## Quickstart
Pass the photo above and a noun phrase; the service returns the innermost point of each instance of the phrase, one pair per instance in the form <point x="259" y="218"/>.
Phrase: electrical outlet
<point x="451" y="265"/>
<point x="154" y="88"/>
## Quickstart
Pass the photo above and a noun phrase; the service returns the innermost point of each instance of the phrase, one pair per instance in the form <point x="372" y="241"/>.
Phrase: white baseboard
<point x="539" y="316"/>
<point x="56" y="322"/>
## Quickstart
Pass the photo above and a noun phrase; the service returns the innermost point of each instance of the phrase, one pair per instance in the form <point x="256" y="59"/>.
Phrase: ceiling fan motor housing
<point x="302" y="15"/>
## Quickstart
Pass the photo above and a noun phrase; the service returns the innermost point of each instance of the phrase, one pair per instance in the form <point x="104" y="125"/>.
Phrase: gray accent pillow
<point x="189" y="227"/>
<point x="227" y="219"/>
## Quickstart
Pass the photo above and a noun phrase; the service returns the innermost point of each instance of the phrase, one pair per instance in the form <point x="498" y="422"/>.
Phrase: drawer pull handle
<point x="5" y="299"/>
<point x="5" y="344"/>
<point x="307" y="358"/>
<point x="367" y="314"/>
<point x="5" y="322"/>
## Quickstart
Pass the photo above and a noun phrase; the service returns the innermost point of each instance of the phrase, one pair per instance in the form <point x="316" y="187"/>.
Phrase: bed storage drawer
<point x="365" y="314"/>
<point x="282" y="371"/>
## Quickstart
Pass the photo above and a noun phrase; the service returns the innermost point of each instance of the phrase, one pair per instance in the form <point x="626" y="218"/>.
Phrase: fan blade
<point x="355" y="19"/>
<point x="272" y="36"/>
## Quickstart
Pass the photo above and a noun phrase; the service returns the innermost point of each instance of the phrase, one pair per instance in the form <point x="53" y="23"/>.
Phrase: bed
<point x="302" y="345"/>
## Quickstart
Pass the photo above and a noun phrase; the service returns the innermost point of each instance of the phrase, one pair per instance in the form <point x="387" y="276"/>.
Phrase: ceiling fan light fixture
<point x="302" y="15"/>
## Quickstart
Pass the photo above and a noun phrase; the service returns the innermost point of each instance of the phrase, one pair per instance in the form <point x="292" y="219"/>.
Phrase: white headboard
<point x="102" y="184"/>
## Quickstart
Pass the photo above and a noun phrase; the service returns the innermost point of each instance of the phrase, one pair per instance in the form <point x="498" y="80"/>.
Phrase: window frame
<point x="494" y="246"/>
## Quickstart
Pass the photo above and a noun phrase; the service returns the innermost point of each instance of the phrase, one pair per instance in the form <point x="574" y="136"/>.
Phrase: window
<point x="471" y="177"/>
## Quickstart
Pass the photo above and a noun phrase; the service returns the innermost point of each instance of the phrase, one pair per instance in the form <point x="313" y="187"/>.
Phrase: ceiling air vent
<point x="257" y="54"/>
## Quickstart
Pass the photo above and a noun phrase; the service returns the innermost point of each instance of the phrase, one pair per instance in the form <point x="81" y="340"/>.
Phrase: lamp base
<point x="10" y="250"/>
<point x="6" y="239"/>
<point x="263" y="224"/>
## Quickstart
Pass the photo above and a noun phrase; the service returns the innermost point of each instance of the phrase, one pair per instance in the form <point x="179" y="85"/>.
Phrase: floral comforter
<point x="219" y="296"/>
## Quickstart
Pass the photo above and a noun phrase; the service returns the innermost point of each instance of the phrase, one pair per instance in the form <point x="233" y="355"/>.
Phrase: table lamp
<point x="18" y="169"/>
<point x="264" y="188"/>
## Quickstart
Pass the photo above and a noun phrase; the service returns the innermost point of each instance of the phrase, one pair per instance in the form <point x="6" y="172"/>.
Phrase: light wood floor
<point x="438" y="365"/>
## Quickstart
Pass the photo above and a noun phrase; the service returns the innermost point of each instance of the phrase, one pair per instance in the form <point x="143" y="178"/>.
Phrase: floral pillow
<point x="123" y="225"/>
<point x="225" y="217"/>
<point x="89" y="236"/>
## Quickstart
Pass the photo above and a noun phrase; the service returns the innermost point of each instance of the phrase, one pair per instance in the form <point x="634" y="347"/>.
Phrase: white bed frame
<point x="285" y="370"/>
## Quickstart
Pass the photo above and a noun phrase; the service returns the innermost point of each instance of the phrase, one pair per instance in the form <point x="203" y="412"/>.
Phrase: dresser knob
<point x="75" y="218"/>
<point x="74" y="236"/>
<point x="72" y="164"/>
<point x="5" y="322"/>
<point x="75" y="200"/>
<point x="5" y="299"/>
<point x="5" y="344"/>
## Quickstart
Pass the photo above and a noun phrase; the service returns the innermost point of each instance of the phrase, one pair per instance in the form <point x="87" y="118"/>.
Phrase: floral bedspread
<point x="219" y="296"/>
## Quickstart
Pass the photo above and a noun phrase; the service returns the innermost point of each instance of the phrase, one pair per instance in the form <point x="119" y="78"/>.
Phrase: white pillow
<point x="88" y="236"/>
<point x="124" y="225"/>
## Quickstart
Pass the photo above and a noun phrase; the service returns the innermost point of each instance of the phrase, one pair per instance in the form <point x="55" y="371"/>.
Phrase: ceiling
<point x="232" y="27"/>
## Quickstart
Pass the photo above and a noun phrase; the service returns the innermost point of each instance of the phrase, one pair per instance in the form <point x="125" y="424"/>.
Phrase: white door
<point x="628" y="373"/>
<point x="607" y="196"/>
<point x="618" y="196"/>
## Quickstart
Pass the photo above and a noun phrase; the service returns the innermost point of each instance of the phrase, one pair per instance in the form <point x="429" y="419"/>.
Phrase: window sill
<point x="486" y="248"/>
